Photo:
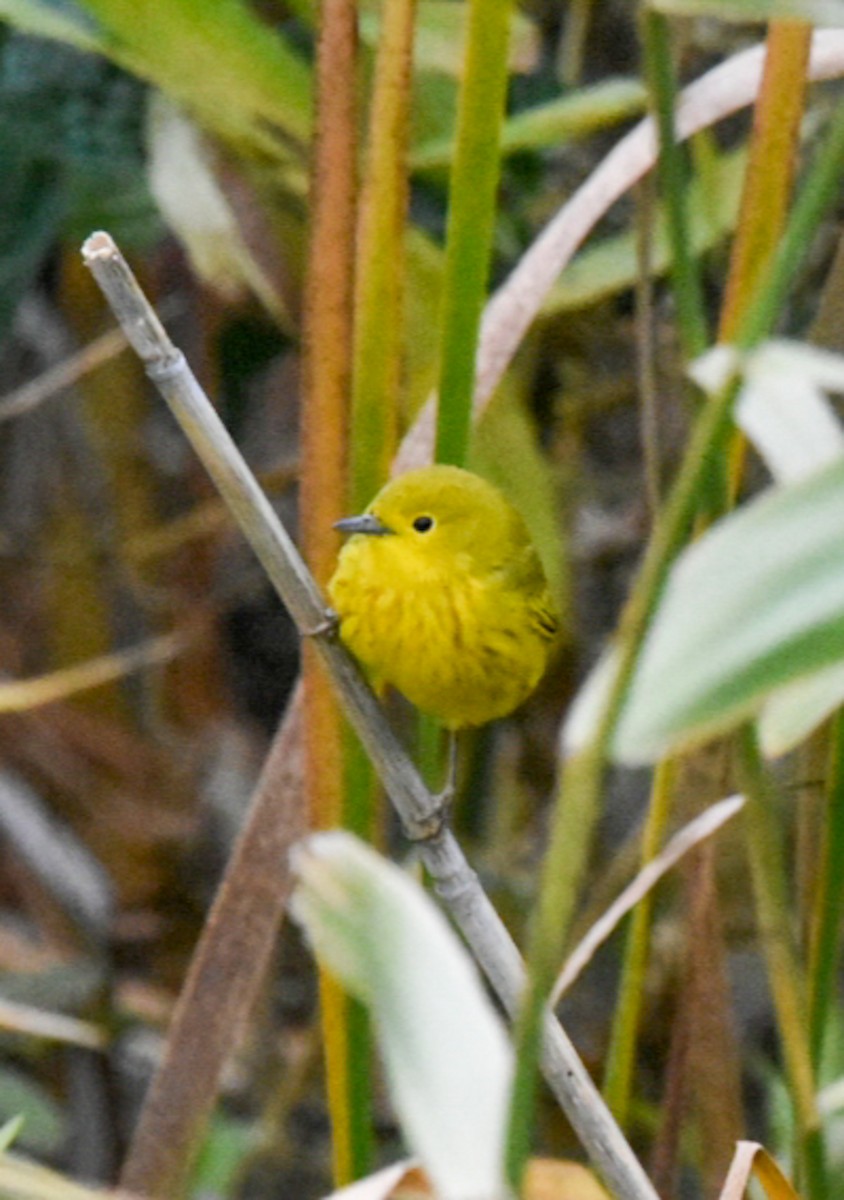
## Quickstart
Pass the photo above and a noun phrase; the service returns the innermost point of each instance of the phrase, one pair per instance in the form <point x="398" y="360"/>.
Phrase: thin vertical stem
<point x="471" y="218"/>
<point x="770" y="169"/>
<point x="673" y="175"/>
<point x="645" y="364"/>
<point x="828" y="903"/>
<point x="580" y="787"/>
<point x="767" y="190"/>
<point x="379" y="290"/>
<point x="327" y="371"/>
<point x="621" y="1056"/>
<point x="787" y="980"/>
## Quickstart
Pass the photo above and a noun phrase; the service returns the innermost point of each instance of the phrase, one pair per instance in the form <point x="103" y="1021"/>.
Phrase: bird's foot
<point x="445" y="798"/>
<point x="328" y="627"/>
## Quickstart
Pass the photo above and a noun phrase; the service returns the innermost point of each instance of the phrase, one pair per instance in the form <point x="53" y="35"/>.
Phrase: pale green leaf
<point x="782" y="406"/>
<point x="755" y="604"/>
<point x="584" y="715"/>
<point x="818" y="12"/>
<point x="25" y="1180"/>
<point x="49" y="21"/>
<point x="184" y="183"/>
<point x="445" y="1049"/>
<point x="9" y="1131"/>
<point x="795" y="711"/>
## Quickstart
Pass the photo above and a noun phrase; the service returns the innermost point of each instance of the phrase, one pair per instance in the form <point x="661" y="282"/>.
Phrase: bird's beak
<point x="367" y="523"/>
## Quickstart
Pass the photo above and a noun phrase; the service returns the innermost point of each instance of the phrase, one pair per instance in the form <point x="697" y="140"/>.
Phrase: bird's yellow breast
<point x="463" y="647"/>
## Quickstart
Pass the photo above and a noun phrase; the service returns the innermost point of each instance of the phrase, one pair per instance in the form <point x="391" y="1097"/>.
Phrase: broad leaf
<point x="757" y="603"/>
<point x="445" y="1048"/>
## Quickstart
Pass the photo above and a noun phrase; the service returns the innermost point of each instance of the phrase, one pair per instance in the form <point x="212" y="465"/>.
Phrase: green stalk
<point x="618" y="1072"/>
<point x="764" y="210"/>
<point x="818" y="193"/>
<point x="767" y="869"/>
<point x="576" y="810"/>
<point x="471" y="218"/>
<point x="673" y="176"/>
<point x="376" y="370"/>
<point x="771" y="165"/>
<point x="828" y="903"/>
<point x="580" y="789"/>
<point x="379" y="276"/>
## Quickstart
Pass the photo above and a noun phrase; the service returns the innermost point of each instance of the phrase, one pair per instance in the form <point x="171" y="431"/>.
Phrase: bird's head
<point x="443" y="513"/>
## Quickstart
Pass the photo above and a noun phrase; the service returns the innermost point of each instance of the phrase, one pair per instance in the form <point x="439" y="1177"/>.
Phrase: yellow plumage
<point x="441" y="593"/>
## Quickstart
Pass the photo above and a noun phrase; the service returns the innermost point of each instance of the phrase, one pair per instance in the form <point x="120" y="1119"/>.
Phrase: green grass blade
<point x="618" y="1070"/>
<point x="45" y="20"/>
<point x="817" y="195"/>
<point x="673" y="176"/>
<point x="577" y="114"/>
<point x="821" y="12"/>
<point x="380" y="261"/>
<point x="229" y="69"/>
<point x="787" y="981"/>
<point x="828" y="901"/>
<point x="581" y="783"/>
<point x="771" y="167"/>
<point x="471" y="217"/>
<point x="611" y="265"/>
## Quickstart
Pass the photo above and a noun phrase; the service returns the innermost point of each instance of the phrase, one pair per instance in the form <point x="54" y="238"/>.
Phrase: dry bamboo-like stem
<point x="420" y="812"/>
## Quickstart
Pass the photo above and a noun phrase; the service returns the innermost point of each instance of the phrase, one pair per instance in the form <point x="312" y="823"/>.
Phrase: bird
<point x="440" y="592"/>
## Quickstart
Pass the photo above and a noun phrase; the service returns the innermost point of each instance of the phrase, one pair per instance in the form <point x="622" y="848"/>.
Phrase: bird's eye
<point x="423" y="524"/>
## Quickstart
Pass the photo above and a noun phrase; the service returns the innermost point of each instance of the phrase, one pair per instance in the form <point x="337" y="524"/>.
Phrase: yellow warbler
<point x="441" y="593"/>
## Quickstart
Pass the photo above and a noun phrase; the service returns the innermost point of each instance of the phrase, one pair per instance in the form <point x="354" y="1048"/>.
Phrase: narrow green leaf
<point x="819" y="12"/>
<point x="552" y="124"/>
<point x="471" y="216"/>
<point x="828" y="903"/>
<point x="230" y="70"/>
<point x="611" y="266"/>
<point x="755" y="604"/>
<point x="379" y="277"/>
<point x="673" y="175"/>
<point x="49" y="21"/>
<point x="239" y="78"/>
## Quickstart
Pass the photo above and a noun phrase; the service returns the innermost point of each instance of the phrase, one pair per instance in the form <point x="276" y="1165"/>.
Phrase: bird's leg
<point x="446" y="796"/>
<point x="327" y="627"/>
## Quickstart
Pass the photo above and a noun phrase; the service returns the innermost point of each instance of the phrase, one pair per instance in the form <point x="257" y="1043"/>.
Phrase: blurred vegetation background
<point x="185" y="130"/>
